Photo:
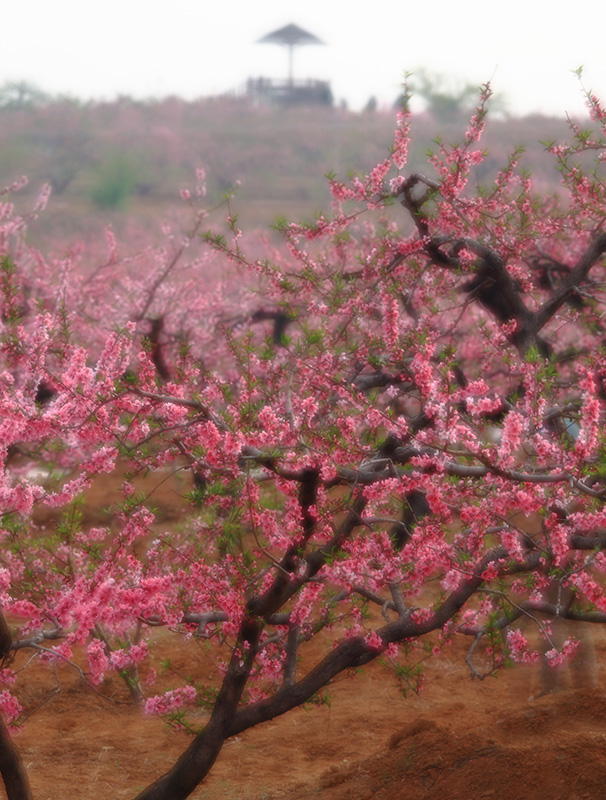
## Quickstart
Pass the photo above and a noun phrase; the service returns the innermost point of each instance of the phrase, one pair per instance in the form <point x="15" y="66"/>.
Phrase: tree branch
<point x="572" y="281"/>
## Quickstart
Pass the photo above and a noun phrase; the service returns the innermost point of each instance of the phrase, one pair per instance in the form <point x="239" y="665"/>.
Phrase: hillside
<point x="105" y="161"/>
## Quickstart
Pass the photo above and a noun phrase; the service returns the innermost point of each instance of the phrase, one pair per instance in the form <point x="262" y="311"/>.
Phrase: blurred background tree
<point x="449" y="100"/>
<point x="21" y="94"/>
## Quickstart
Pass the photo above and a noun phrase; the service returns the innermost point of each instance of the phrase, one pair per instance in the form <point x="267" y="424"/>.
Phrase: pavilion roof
<point x="290" y="35"/>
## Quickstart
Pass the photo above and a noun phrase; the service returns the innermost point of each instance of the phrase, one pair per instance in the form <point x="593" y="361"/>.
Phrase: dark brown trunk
<point x="195" y="763"/>
<point x="193" y="766"/>
<point x="12" y="769"/>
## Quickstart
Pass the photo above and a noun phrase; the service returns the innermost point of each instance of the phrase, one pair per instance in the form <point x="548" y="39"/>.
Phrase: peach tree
<point x="368" y="414"/>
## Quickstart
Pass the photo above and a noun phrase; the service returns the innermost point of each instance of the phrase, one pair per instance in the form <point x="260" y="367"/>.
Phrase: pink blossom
<point x="511" y="437"/>
<point x="556" y="657"/>
<point x="518" y="647"/>
<point x="97" y="660"/>
<point x="10" y="707"/>
<point x="374" y="641"/>
<point x="171" y="700"/>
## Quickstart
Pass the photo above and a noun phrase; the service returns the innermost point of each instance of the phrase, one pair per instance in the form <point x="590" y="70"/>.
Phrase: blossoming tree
<point x="369" y="417"/>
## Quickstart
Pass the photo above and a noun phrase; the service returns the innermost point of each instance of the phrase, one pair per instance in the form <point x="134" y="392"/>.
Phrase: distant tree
<point x="21" y="94"/>
<point x="371" y="105"/>
<point x="115" y="180"/>
<point x="446" y="100"/>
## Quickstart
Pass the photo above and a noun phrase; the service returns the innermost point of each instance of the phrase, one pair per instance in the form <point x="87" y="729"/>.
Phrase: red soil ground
<point x="458" y="739"/>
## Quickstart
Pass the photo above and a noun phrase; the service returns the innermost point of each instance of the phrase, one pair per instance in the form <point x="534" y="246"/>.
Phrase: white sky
<point x="199" y="47"/>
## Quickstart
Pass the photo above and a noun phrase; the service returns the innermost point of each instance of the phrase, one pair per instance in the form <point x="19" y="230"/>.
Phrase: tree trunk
<point x="196" y="762"/>
<point x="12" y="769"/>
<point x="193" y="766"/>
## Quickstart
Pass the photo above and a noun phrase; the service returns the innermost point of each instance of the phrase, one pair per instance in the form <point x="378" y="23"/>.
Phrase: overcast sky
<point x="192" y="48"/>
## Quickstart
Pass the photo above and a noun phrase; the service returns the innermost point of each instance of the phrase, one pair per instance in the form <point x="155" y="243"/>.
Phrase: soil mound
<point x="551" y="749"/>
